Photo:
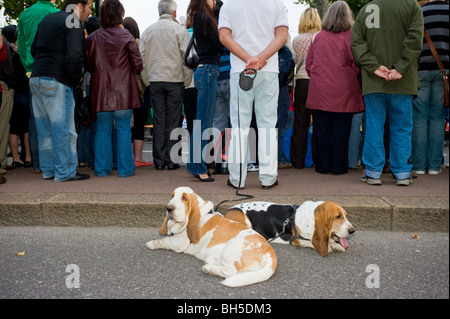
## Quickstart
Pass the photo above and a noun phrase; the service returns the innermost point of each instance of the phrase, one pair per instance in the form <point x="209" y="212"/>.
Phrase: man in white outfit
<point x="254" y="33"/>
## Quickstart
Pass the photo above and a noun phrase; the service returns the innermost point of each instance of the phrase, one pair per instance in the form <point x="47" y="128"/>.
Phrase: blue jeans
<point x="429" y="122"/>
<point x="284" y="102"/>
<point x="398" y="108"/>
<point x="84" y="154"/>
<point x="33" y="138"/>
<point x="356" y="140"/>
<point x="205" y="78"/>
<point x="53" y="107"/>
<point x="103" y="148"/>
<point x="221" y="119"/>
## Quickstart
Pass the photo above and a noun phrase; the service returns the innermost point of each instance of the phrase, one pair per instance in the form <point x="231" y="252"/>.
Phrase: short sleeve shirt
<point x="252" y="24"/>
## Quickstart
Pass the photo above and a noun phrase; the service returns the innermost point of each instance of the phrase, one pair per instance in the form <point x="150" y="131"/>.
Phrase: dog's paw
<point x="337" y="247"/>
<point x="206" y="269"/>
<point x="212" y="269"/>
<point x="153" y="244"/>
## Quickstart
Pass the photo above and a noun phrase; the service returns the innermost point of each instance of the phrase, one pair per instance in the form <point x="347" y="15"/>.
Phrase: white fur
<point x="304" y="220"/>
<point x="220" y="259"/>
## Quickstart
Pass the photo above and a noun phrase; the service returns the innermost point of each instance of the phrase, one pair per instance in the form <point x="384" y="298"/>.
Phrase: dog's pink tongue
<point x="343" y="242"/>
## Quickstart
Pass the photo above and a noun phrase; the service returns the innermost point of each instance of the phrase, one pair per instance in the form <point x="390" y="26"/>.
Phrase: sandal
<point x="142" y="164"/>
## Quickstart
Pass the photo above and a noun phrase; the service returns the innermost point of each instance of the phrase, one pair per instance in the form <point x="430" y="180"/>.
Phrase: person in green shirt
<point x="27" y="25"/>
<point x="386" y="43"/>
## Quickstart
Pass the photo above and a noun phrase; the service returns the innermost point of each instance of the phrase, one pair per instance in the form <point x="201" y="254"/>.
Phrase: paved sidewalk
<point x="138" y="201"/>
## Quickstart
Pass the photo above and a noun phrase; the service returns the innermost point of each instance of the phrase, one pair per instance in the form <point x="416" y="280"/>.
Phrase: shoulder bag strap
<point x="433" y="50"/>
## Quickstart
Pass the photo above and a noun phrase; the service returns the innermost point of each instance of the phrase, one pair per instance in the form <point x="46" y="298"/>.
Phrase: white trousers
<point x="264" y="97"/>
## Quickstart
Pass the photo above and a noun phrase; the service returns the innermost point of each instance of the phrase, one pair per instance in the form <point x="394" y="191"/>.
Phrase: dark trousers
<point x="190" y="107"/>
<point x="166" y="100"/>
<point x="302" y="121"/>
<point x="332" y="132"/>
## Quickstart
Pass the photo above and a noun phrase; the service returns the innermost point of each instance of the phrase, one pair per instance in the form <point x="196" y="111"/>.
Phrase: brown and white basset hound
<point x="230" y="249"/>
<point x="320" y="225"/>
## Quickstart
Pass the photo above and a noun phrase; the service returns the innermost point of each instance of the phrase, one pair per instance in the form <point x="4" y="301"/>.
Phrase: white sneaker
<point x="404" y="182"/>
<point x="419" y="172"/>
<point x="434" y="172"/>
<point x="252" y="168"/>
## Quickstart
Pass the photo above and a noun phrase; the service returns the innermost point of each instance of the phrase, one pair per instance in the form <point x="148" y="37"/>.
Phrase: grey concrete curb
<point x="376" y="213"/>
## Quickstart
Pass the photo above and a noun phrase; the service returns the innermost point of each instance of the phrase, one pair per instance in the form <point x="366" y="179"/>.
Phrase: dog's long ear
<point x="193" y="213"/>
<point x="323" y="223"/>
<point x="163" y="228"/>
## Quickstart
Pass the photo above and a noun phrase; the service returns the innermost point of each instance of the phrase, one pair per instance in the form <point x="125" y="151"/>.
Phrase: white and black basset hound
<point x="320" y="225"/>
<point x="230" y="249"/>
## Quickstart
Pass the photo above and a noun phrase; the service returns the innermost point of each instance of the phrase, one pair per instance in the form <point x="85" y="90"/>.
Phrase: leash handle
<point x="246" y="79"/>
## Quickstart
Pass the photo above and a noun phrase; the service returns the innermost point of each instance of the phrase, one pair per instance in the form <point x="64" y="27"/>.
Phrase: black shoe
<point x="206" y="180"/>
<point x="173" y="167"/>
<point x="270" y="186"/>
<point x="79" y="177"/>
<point x="2" y="180"/>
<point x="159" y="167"/>
<point x="18" y="164"/>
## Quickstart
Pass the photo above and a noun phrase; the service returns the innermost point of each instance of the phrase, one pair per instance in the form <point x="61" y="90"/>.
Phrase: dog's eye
<point x="338" y="217"/>
<point x="184" y="198"/>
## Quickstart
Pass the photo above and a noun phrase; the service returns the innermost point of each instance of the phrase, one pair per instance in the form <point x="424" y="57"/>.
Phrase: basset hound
<point x="230" y="249"/>
<point x="320" y="225"/>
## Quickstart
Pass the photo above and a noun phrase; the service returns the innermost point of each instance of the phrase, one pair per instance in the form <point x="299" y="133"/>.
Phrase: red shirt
<point x="2" y="59"/>
<point x="333" y="84"/>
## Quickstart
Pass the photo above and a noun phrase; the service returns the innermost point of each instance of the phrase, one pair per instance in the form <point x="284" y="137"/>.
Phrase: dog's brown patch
<point x="237" y="215"/>
<point x="255" y="247"/>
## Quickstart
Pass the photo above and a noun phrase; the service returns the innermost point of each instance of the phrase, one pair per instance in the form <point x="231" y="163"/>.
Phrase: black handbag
<point x="191" y="58"/>
<point x="82" y="106"/>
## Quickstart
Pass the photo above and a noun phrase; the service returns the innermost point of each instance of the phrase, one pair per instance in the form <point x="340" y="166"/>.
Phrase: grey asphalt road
<point x="39" y="262"/>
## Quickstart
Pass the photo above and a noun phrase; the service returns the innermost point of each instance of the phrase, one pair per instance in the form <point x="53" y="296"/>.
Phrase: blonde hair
<point x="310" y="21"/>
<point x="339" y="18"/>
<point x="422" y="2"/>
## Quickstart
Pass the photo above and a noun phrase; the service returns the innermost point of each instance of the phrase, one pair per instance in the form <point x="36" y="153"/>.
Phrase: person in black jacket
<point x="202" y="17"/>
<point x="58" y="51"/>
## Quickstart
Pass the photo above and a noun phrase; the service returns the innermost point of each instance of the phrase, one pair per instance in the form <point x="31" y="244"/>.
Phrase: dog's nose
<point x="170" y="208"/>
<point x="351" y="230"/>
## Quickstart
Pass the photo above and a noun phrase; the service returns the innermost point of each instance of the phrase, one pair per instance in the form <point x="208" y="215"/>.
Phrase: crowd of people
<point x="368" y="85"/>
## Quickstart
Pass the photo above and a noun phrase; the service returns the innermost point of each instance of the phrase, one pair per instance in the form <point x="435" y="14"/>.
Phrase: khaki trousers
<point x="5" y="115"/>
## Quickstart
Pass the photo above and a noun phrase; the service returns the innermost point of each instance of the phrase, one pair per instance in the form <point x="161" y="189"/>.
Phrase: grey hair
<point x="167" y="7"/>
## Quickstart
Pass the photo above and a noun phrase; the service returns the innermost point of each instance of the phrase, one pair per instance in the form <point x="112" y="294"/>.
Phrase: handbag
<point x="191" y="58"/>
<point x="441" y="67"/>
<point x="82" y="106"/>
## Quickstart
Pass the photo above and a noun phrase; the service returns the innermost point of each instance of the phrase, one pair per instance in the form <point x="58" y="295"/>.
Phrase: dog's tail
<point x="244" y="278"/>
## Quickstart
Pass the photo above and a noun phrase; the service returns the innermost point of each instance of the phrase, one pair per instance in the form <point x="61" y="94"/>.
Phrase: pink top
<point x="333" y="85"/>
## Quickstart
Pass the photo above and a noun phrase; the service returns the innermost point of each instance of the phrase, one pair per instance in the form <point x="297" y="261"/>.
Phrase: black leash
<point x="246" y="84"/>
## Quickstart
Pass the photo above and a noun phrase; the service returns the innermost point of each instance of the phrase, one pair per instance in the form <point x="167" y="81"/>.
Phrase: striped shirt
<point x="225" y="65"/>
<point x="436" y="20"/>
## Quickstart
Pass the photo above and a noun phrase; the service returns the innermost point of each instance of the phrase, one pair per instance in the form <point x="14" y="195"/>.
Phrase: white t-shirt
<point x="252" y="24"/>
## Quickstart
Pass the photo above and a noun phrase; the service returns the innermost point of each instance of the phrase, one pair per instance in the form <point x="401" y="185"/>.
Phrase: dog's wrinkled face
<point x="331" y="222"/>
<point x="341" y="228"/>
<point x="180" y="208"/>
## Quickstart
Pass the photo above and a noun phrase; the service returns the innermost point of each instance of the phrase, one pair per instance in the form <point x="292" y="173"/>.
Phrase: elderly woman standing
<point x="113" y="59"/>
<point x="334" y="91"/>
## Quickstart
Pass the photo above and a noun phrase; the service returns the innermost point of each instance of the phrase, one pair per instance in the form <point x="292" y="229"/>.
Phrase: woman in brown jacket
<point x="113" y="59"/>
